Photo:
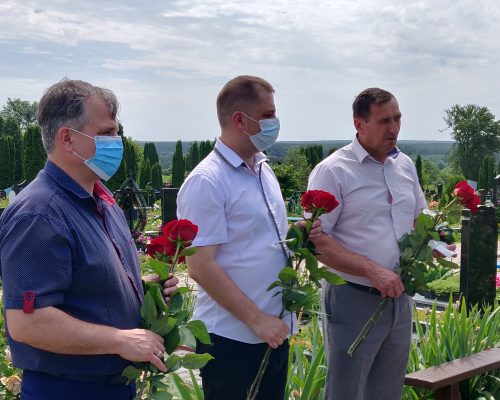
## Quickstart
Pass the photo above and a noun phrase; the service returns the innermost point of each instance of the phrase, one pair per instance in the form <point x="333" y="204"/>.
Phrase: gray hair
<point x="64" y="104"/>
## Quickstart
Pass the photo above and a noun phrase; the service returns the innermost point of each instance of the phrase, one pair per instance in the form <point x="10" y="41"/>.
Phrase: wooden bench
<point x="444" y="379"/>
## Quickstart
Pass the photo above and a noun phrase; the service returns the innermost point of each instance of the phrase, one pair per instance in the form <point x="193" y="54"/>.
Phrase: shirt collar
<point x="62" y="179"/>
<point x="234" y="159"/>
<point x="361" y="153"/>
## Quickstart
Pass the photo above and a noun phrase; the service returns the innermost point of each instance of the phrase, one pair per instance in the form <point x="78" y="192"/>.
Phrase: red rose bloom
<point x="161" y="245"/>
<point x="467" y="196"/>
<point x="319" y="200"/>
<point x="182" y="229"/>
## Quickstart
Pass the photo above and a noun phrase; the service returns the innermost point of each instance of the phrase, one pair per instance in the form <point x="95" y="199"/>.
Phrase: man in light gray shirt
<point x="380" y="197"/>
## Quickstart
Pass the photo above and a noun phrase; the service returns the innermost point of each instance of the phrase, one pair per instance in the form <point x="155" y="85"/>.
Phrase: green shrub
<point x="445" y="286"/>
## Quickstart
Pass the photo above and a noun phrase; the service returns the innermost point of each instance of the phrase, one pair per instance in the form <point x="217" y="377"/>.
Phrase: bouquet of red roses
<point x="416" y="257"/>
<point x="168" y="320"/>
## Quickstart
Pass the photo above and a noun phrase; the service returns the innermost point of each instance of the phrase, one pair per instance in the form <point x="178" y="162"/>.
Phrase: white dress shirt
<point x="224" y="197"/>
<point x="378" y="202"/>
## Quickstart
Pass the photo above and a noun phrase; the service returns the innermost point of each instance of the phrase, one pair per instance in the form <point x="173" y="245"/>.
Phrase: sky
<point x="167" y="60"/>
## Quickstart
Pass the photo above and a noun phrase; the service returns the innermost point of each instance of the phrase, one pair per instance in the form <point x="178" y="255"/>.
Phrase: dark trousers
<point x="38" y="386"/>
<point x="235" y="365"/>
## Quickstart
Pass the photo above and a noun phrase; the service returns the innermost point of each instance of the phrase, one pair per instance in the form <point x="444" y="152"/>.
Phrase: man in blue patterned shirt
<point x="71" y="281"/>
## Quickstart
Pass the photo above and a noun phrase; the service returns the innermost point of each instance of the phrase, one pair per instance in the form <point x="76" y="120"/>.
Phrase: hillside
<point x="436" y="151"/>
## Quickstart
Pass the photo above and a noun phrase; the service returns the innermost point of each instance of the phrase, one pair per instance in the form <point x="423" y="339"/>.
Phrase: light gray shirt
<point x="225" y="198"/>
<point x="378" y="202"/>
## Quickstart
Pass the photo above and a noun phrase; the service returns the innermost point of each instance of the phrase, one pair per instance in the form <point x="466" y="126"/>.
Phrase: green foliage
<point x="156" y="176"/>
<point x="150" y="153"/>
<point x="452" y="180"/>
<point x="313" y="153"/>
<point x="192" y="157"/>
<point x="7" y="162"/>
<point x="205" y="148"/>
<point x="454" y="334"/>
<point x="306" y="364"/>
<point x="178" y="168"/>
<point x="486" y="173"/>
<point x="115" y="182"/>
<point x="418" y="166"/>
<point x="477" y="134"/>
<point x="23" y="112"/>
<point x="130" y="157"/>
<point x="293" y="173"/>
<point x="144" y="174"/>
<point x="18" y="158"/>
<point x="445" y="286"/>
<point x="34" y="155"/>
<point x="11" y="127"/>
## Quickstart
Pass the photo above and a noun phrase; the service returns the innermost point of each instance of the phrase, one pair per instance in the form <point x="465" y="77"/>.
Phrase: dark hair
<point x="238" y="94"/>
<point x="64" y="103"/>
<point x="363" y="102"/>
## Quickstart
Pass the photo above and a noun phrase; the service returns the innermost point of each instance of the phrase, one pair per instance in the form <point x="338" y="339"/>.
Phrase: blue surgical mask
<point x="108" y="155"/>
<point x="269" y="131"/>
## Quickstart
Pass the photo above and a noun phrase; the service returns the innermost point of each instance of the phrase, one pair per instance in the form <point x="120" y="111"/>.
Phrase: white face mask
<point x="269" y="131"/>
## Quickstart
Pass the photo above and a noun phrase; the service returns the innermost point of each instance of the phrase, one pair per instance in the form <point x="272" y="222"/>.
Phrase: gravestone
<point x="479" y="256"/>
<point x="168" y="204"/>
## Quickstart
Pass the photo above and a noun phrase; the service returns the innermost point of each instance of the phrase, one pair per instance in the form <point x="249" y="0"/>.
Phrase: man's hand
<point x="315" y="231"/>
<point x="271" y="329"/>
<point x="169" y="286"/>
<point x="388" y="282"/>
<point x="141" y="345"/>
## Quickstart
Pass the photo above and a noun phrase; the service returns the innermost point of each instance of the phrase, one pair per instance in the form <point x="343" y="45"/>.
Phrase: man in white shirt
<point x="380" y="196"/>
<point x="234" y="198"/>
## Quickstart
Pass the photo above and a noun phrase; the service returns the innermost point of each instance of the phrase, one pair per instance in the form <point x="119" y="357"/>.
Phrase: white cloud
<point x="317" y="53"/>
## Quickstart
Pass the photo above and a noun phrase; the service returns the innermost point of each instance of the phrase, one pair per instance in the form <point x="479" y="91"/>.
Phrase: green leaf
<point x="163" y="325"/>
<point x="294" y="238"/>
<point x="148" y="309"/>
<point x="287" y="274"/>
<point x="172" y="340"/>
<point x="274" y="284"/>
<point x="182" y="387"/>
<point x="447" y="263"/>
<point x="162" y="396"/>
<point x="330" y="277"/>
<point x="183" y="290"/>
<point x="311" y="261"/>
<point x="188" y="251"/>
<point x="131" y="373"/>
<point x="173" y="362"/>
<point x="420" y="225"/>
<point x="196" y="361"/>
<point x="175" y="304"/>
<point x="454" y="216"/>
<point x="186" y="337"/>
<point x="199" y="330"/>
<point x="160" y="267"/>
<point x="155" y="290"/>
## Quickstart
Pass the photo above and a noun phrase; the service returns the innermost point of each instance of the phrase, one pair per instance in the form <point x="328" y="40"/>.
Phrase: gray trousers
<point x="376" y="370"/>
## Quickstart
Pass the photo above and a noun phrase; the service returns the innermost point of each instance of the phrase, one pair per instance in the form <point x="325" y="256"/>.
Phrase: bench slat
<point x="455" y="371"/>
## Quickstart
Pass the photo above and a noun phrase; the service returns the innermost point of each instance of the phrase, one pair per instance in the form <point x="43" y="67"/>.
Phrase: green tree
<point x="192" y="156"/>
<point x="418" y="166"/>
<point x="314" y="154"/>
<point x="476" y="133"/>
<point x="486" y="173"/>
<point x="1" y="125"/>
<point x="7" y="163"/>
<point x="130" y="157"/>
<point x="34" y="155"/>
<point x="23" y="112"/>
<point x="11" y="127"/>
<point x="178" y="169"/>
<point x="17" y="142"/>
<point x="144" y="174"/>
<point x="332" y="150"/>
<point x="156" y="176"/>
<point x="150" y="153"/>
<point x="205" y="148"/>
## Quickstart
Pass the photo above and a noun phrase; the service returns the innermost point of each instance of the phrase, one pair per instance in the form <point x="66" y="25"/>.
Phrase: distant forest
<point x="435" y="151"/>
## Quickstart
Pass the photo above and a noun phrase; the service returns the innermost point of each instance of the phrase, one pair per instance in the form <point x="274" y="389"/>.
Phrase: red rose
<point x="161" y="245"/>
<point x="319" y="200"/>
<point x="182" y="229"/>
<point x="467" y="196"/>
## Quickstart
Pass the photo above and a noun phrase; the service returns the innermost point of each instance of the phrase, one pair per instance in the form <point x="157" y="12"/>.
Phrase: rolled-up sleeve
<point x="35" y="255"/>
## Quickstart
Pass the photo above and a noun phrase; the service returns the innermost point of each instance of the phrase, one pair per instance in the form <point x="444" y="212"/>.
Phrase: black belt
<point x="367" y="289"/>
<point x="116" y="379"/>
